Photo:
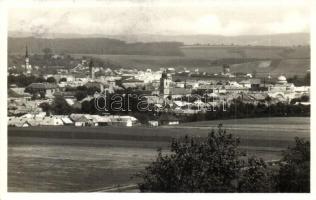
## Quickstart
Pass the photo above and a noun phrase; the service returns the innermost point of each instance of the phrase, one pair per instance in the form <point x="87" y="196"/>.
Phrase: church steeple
<point x="27" y="60"/>
<point x="26" y="52"/>
<point x="165" y="82"/>
<point x="91" y="69"/>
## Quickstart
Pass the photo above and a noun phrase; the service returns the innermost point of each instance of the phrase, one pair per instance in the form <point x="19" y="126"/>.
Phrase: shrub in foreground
<point x="216" y="164"/>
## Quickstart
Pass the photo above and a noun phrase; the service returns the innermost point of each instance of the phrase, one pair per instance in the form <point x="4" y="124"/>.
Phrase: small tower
<point x="91" y="69"/>
<point x="27" y="60"/>
<point x="165" y="82"/>
<point x="226" y="69"/>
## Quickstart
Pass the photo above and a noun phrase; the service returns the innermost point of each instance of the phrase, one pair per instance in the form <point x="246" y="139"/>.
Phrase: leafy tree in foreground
<point x="294" y="174"/>
<point x="213" y="164"/>
<point x="256" y="177"/>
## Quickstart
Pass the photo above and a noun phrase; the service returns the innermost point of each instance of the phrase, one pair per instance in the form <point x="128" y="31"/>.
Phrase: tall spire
<point x="91" y="69"/>
<point x="26" y="52"/>
<point x="27" y="60"/>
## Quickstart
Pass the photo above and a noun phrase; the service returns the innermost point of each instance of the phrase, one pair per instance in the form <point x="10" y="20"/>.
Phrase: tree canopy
<point x="294" y="173"/>
<point x="60" y="106"/>
<point x="216" y="164"/>
<point x="213" y="164"/>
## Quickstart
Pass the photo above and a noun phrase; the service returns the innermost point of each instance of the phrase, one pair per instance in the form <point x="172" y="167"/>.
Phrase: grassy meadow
<point x="51" y="159"/>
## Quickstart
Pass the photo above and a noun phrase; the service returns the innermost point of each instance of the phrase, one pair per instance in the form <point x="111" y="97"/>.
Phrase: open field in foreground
<point x="51" y="159"/>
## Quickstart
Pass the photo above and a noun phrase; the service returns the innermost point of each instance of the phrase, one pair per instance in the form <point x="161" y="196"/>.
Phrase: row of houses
<point x="41" y="119"/>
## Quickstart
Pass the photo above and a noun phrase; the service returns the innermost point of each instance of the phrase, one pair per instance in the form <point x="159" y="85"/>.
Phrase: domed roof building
<point x="282" y="80"/>
<point x="282" y="90"/>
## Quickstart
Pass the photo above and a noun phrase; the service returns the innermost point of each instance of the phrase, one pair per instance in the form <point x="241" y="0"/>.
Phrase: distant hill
<point x="288" y="39"/>
<point x="289" y="61"/>
<point x="92" y="46"/>
<point x="276" y="59"/>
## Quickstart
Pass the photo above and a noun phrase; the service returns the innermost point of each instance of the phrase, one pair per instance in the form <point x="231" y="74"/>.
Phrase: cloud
<point x="243" y="18"/>
<point x="293" y="22"/>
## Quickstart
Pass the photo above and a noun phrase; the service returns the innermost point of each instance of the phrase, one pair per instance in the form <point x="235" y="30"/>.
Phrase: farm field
<point x="51" y="159"/>
<point x="293" y="61"/>
<point x="259" y="52"/>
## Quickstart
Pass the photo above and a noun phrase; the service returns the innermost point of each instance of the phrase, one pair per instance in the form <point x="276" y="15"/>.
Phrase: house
<point x="80" y="120"/>
<point x="198" y="103"/>
<point x="168" y="119"/>
<point x="16" y="122"/>
<point x="18" y="93"/>
<point x="179" y="92"/>
<point x="51" y="121"/>
<point x="98" y="120"/>
<point x="245" y="83"/>
<point x="213" y="96"/>
<point x="204" y="89"/>
<point x="67" y="121"/>
<point x="128" y="121"/>
<point x="255" y="83"/>
<point x="235" y="89"/>
<point x="33" y="122"/>
<point x="180" y="104"/>
<point x="42" y="90"/>
<point x="303" y="103"/>
<point x="40" y="114"/>
<point x="87" y="98"/>
<point x="171" y="70"/>
<point x="303" y="90"/>
<point x="26" y="124"/>
<point x="259" y="96"/>
<point x="153" y="123"/>
<point x="70" y="101"/>
<point x="98" y="85"/>
<point x="151" y="99"/>
<point x="27" y="116"/>
<point x="253" y="98"/>
<point x="132" y="82"/>
<point x="66" y="94"/>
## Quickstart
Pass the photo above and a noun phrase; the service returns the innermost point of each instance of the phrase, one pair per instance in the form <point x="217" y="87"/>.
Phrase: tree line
<point x="23" y="80"/>
<point x="130" y="104"/>
<point x="94" y="46"/>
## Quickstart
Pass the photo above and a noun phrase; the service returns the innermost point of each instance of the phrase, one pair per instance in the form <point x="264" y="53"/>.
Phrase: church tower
<point x="165" y="82"/>
<point x="91" y="69"/>
<point x="27" y="60"/>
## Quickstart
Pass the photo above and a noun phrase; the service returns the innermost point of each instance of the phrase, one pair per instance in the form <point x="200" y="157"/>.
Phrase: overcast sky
<point x="227" y="17"/>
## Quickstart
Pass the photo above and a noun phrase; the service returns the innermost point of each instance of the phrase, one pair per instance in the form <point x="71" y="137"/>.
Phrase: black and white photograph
<point x="157" y="96"/>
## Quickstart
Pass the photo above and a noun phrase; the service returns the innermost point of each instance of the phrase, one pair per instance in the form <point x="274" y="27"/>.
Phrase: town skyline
<point x="156" y="96"/>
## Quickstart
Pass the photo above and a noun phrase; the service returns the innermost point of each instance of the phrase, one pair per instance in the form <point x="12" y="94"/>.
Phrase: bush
<point x="294" y="174"/>
<point x="51" y="80"/>
<point x="60" y="106"/>
<point x="213" y="164"/>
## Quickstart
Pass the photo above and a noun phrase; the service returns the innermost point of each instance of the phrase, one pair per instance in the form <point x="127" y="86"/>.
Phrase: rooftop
<point x="42" y="86"/>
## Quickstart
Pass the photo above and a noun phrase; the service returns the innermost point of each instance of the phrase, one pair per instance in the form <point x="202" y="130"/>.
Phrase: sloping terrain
<point x="61" y="159"/>
<point x="289" y="60"/>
